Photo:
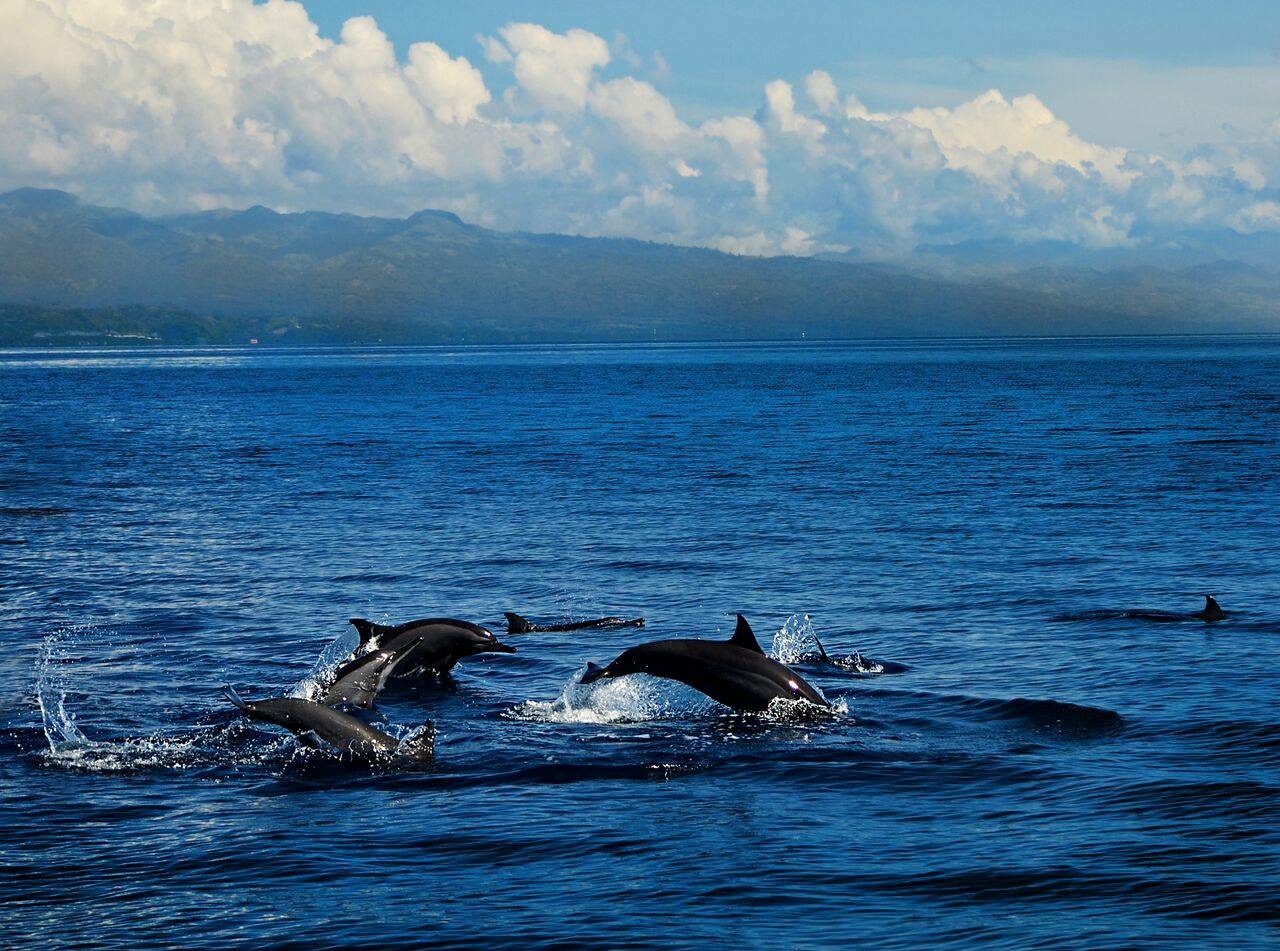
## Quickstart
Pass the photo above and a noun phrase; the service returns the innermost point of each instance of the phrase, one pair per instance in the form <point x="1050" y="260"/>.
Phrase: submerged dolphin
<point x="1212" y="611"/>
<point x="858" y="664"/>
<point x="735" y="672"/>
<point x="434" y="645"/>
<point x="518" y="625"/>
<point x="310" y="721"/>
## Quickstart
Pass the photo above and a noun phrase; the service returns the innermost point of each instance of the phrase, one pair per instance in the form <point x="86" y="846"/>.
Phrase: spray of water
<point x="624" y="700"/>
<point x="164" y="749"/>
<point x="794" y="641"/>
<point x="336" y="651"/>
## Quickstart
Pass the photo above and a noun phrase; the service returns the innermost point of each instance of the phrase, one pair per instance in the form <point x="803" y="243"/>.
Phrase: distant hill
<point x="74" y="273"/>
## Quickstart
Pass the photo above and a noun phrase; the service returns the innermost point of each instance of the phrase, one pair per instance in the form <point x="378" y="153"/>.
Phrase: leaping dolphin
<point x="310" y="721"/>
<point x="519" y="625"/>
<point x="435" y="645"/>
<point x="736" y="672"/>
<point x="359" y="680"/>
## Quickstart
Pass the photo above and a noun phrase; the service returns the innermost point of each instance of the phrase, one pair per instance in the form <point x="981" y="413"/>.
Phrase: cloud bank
<point x="177" y="104"/>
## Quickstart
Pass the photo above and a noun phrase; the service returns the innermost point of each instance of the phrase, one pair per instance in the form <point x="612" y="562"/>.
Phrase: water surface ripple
<point x="1049" y="769"/>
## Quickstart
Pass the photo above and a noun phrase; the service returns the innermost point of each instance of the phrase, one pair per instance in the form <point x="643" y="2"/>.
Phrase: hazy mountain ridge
<point x="74" y="273"/>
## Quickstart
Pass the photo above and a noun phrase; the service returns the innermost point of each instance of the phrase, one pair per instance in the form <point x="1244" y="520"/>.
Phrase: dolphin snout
<point x="501" y="648"/>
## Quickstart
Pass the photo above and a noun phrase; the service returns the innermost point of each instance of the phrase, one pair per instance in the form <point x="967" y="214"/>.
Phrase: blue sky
<point x="1075" y="55"/>
<point x="801" y="128"/>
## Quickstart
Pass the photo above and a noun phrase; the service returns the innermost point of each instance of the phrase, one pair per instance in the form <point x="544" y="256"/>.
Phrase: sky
<point x="801" y="128"/>
<point x="1120" y="73"/>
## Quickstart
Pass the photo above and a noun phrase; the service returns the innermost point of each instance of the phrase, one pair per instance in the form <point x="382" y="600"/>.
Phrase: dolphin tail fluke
<point x="821" y="650"/>
<point x="421" y="745"/>
<point x="518" y="625"/>
<point x="229" y="692"/>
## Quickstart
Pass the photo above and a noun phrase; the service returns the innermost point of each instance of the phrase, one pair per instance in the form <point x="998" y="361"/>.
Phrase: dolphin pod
<point x="735" y="672"/>
<point x="519" y="625"/>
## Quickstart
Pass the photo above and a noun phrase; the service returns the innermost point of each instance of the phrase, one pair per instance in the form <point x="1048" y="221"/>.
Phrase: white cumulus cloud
<point x="180" y="104"/>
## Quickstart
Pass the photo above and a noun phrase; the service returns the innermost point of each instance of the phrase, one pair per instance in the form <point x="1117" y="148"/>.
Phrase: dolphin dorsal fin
<point x="743" y="636"/>
<point x="516" y="624"/>
<point x="822" y="651"/>
<point x="367" y="630"/>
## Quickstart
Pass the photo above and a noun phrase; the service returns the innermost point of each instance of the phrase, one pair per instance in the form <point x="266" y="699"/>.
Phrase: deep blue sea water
<point x="1050" y="771"/>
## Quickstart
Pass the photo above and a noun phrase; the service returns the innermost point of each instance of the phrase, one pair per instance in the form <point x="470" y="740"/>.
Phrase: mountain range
<point x="77" y="273"/>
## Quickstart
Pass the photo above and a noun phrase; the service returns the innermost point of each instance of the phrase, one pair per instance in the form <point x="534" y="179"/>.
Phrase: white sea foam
<point x="622" y="700"/>
<point x="638" y="698"/>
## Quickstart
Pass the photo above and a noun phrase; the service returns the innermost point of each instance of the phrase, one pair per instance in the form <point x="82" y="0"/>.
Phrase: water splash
<point x="320" y="676"/>
<point x="622" y="700"/>
<point x="59" y="726"/>
<point x="787" y="710"/>
<point x="639" y="697"/>
<point x="797" y="643"/>
<point x="180" y="749"/>
<point x="794" y="641"/>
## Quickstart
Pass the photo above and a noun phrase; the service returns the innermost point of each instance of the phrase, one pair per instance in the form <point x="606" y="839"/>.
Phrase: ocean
<point x="1054" y="767"/>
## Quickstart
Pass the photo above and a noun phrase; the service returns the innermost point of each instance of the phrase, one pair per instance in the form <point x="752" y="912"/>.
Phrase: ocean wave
<point x="1057" y="716"/>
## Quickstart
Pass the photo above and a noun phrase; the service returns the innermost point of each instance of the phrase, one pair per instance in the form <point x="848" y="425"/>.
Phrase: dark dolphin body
<point x="858" y="664"/>
<point x="432" y="646"/>
<point x="518" y="625"/>
<point x="358" y="681"/>
<point x="735" y="672"/>
<point x="1212" y="611"/>
<point x="309" y="721"/>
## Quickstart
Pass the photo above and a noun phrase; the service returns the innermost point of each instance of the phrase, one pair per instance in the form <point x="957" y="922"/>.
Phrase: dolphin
<point x="359" y="680"/>
<point x="735" y="672"/>
<point x="858" y="664"/>
<point x="310" y="721"/>
<point x="518" y="625"/>
<point x="436" y="644"/>
<point x="1212" y="611"/>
